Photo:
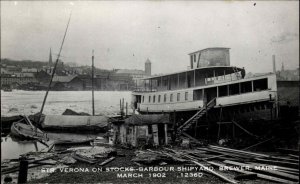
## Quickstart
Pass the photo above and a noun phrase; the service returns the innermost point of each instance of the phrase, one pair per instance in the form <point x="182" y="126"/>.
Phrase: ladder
<point x="236" y="72"/>
<point x="197" y="116"/>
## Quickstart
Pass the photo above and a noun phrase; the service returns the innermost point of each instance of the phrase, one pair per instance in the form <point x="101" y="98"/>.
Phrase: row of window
<point x="153" y="98"/>
<point x="18" y="79"/>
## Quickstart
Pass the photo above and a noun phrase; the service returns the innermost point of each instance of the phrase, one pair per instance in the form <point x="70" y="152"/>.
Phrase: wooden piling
<point x="126" y="109"/>
<point x="23" y="170"/>
<point x="120" y="106"/>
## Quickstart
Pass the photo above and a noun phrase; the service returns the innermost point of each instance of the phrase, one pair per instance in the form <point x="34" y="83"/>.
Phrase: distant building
<point x="135" y="74"/>
<point x="4" y="71"/>
<point x="32" y="70"/>
<point x="80" y="82"/>
<point x="61" y="82"/>
<point x="13" y="80"/>
<point x="148" y="68"/>
<point x="13" y="69"/>
<point x="288" y="75"/>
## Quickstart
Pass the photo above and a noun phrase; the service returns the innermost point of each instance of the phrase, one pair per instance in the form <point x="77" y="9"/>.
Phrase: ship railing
<point x="221" y="79"/>
<point x="144" y="90"/>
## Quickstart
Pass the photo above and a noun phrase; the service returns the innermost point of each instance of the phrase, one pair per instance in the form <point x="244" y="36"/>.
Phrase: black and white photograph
<point x="150" y="91"/>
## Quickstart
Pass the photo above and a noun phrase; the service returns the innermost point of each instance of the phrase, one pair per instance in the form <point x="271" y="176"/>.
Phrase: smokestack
<point x="274" y="64"/>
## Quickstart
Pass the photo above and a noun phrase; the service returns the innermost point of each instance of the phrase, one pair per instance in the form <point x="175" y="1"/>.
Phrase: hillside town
<point x="36" y="76"/>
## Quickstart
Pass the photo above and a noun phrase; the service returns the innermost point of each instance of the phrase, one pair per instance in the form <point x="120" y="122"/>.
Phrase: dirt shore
<point x="88" y="175"/>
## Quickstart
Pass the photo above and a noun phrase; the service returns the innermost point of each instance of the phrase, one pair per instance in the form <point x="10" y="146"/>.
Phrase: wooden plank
<point x="289" y="172"/>
<point x="285" y="175"/>
<point x="279" y="167"/>
<point x="293" y="165"/>
<point x="238" y="151"/>
<point x="263" y="176"/>
<point x="166" y="134"/>
<point x="222" y="154"/>
<point x="262" y="142"/>
<point x="155" y="135"/>
<point x="208" y="170"/>
<point x="294" y="156"/>
<point x="106" y="161"/>
<point x="190" y="137"/>
<point x="235" y="123"/>
<point x="291" y="151"/>
<point x="284" y="159"/>
<point x="215" y="173"/>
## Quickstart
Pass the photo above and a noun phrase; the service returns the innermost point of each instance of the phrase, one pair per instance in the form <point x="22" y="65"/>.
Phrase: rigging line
<point x="53" y="72"/>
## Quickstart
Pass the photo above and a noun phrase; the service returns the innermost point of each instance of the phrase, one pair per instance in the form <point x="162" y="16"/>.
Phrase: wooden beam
<point x="281" y="174"/>
<point x="224" y="122"/>
<point x="234" y="122"/>
<point x="279" y="167"/>
<point x="215" y="173"/>
<point x="190" y="137"/>
<point x="262" y="142"/>
<point x="166" y="133"/>
<point x="195" y="78"/>
<point x="293" y="165"/>
<point x="106" y="161"/>
<point x="178" y="81"/>
<point x="238" y="151"/>
<point x="263" y="176"/>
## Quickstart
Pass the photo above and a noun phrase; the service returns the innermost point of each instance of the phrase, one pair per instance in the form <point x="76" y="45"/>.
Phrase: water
<point x="29" y="102"/>
<point x="11" y="149"/>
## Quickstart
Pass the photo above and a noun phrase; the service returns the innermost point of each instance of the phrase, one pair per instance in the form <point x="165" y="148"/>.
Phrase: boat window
<point x="178" y="96"/>
<point x="198" y="94"/>
<point x="158" y="98"/>
<point x="153" y="98"/>
<point x="165" y="97"/>
<point x="165" y="82"/>
<point x="223" y="91"/>
<point x="261" y="84"/>
<point x="149" y="99"/>
<point x="246" y="87"/>
<point x="234" y="89"/>
<point x="171" y="97"/>
<point x="186" y="95"/>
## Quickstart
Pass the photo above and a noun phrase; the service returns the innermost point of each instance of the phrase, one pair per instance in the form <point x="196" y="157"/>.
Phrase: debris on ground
<point x="275" y="167"/>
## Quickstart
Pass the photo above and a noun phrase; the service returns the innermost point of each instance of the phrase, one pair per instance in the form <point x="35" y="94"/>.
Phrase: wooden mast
<point x="93" y="104"/>
<point x="53" y="72"/>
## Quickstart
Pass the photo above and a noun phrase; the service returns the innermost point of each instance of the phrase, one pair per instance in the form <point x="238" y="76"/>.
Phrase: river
<point x="29" y="102"/>
<point x="20" y="102"/>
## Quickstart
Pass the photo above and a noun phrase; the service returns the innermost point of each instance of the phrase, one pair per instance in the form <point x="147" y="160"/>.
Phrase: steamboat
<point x="211" y="90"/>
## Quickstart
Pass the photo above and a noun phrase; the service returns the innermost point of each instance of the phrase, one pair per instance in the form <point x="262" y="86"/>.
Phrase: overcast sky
<point x="124" y="34"/>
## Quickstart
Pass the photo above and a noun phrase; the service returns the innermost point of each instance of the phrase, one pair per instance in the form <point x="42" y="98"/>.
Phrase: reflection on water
<point x="11" y="149"/>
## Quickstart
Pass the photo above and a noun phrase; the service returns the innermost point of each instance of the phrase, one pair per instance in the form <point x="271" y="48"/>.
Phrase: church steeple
<point x="50" y="58"/>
